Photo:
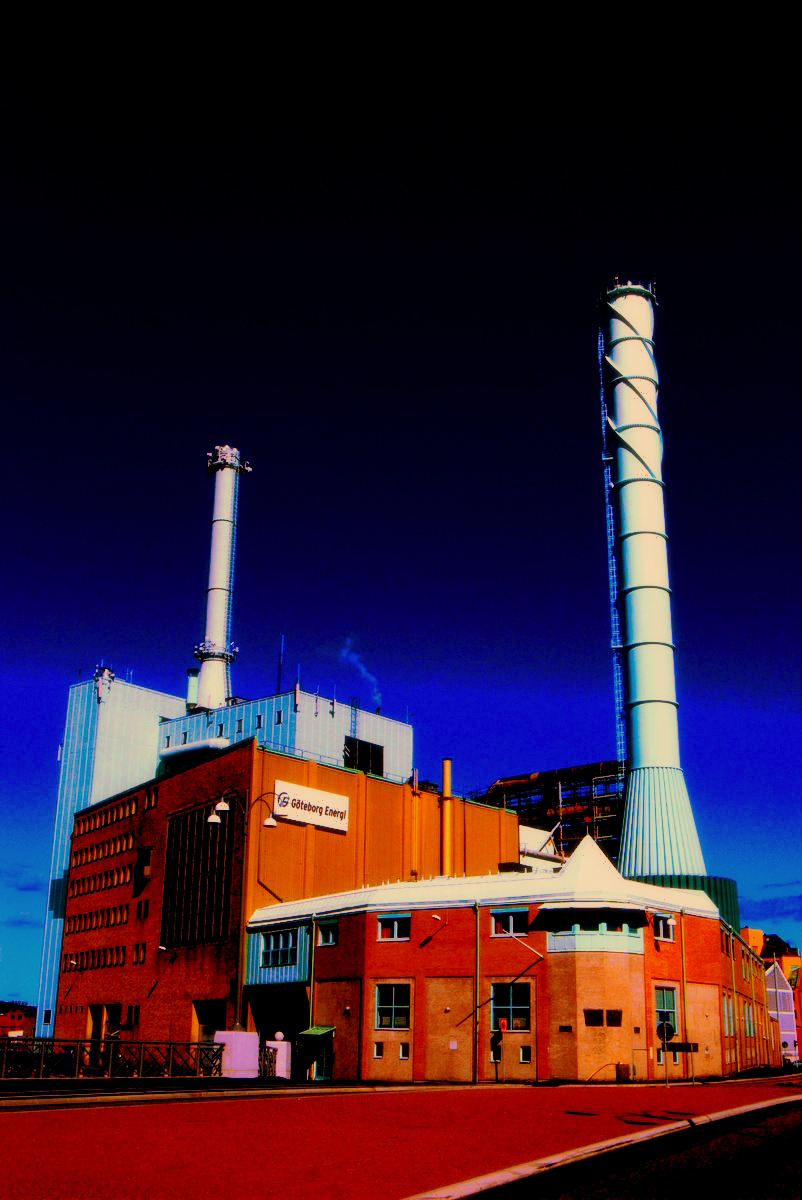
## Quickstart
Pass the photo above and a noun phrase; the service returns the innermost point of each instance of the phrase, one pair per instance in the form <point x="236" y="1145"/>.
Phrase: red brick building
<point x="564" y="974"/>
<point x="389" y="933"/>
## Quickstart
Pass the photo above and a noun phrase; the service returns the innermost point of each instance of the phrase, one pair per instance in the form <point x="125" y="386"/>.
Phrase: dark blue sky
<point x="391" y="311"/>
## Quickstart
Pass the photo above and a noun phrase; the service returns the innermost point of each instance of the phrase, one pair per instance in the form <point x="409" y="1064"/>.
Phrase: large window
<point x="510" y="1002"/>
<point x="363" y="756"/>
<point x="511" y="920"/>
<point x="392" y="1006"/>
<point x="281" y="948"/>
<point x="665" y="1002"/>
<point x="197" y="884"/>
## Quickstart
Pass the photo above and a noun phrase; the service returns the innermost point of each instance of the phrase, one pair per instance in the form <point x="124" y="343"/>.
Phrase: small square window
<point x="327" y="933"/>
<point x="614" y="1017"/>
<point x="378" y="1049"/>
<point x="394" y="929"/>
<point x="664" y="929"/>
<point x="594" y="1017"/>
<point x="525" y="1055"/>
<point x="403" y="1050"/>
<point x="505" y="923"/>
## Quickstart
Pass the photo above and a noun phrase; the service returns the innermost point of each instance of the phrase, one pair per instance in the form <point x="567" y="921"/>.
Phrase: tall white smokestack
<point x="659" y="835"/>
<point x="216" y="653"/>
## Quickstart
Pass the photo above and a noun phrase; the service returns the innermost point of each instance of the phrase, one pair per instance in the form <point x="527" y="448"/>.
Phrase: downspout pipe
<point x="446" y="822"/>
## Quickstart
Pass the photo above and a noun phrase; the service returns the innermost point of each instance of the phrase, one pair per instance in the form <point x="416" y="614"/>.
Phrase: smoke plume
<point x="349" y="655"/>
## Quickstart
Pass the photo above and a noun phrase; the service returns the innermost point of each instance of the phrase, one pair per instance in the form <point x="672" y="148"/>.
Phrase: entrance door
<point x="449" y="1029"/>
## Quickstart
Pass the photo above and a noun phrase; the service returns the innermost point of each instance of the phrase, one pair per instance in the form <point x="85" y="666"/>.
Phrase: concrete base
<point x="240" y="1054"/>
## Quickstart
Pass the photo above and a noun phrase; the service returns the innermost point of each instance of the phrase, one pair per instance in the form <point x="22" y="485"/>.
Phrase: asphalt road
<point x="359" y="1145"/>
<point x="748" y="1159"/>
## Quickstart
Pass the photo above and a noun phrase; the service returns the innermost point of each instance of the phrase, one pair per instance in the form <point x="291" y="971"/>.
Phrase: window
<point x="394" y="928"/>
<point x="664" y="927"/>
<point x="403" y="1050"/>
<point x="510" y="921"/>
<point x="184" y="738"/>
<point x="614" y="1016"/>
<point x="510" y="1003"/>
<point x="525" y="1055"/>
<point x="197" y="879"/>
<point x="278" y="717"/>
<point x="378" y="1049"/>
<point x="594" y="1017"/>
<point x="258" y="720"/>
<point x="392" y="1005"/>
<point x="281" y="948"/>
<point x="239" y="725"/>
<point x="220" y="729"/>
<point x="327" y="933"/>
<point x="665" y="1001"/>
<point x="674" y="1057"/>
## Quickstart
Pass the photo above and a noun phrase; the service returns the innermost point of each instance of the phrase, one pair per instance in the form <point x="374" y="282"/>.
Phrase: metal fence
<point x="41" y="1058"/>
<point x="267" y="1061"/>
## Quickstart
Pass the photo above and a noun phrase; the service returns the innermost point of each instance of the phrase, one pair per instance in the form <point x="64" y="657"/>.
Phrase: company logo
<point x="311" y="806"/>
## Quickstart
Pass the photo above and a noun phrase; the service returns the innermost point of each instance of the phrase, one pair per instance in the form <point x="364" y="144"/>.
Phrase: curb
<point x="496" y="1179"/>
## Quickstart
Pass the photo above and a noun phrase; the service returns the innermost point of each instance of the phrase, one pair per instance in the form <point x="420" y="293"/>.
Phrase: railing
<point x="267" y="1061"/>
<point x="41" y="1058"/>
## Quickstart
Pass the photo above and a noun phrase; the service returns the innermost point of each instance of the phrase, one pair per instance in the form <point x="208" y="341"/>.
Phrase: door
<point x="449" y="1029"/>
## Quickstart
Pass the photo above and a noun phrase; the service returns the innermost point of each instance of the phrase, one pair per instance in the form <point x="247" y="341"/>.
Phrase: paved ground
<point x="364" y="1145"/>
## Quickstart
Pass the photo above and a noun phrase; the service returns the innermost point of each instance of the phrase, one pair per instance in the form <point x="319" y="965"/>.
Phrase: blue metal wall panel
<point x="317" y="730"/>
<point x="256" y="974"/>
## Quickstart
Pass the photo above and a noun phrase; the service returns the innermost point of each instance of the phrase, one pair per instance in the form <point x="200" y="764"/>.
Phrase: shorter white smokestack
<point x="216" y="652"/>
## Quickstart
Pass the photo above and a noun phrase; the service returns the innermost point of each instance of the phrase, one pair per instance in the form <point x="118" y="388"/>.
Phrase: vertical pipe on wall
<point x="446" y="822"/>
<point x="659" y="835"/>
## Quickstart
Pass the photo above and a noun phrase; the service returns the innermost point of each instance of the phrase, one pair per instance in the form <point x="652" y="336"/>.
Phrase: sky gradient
<point x="392" y="313"/>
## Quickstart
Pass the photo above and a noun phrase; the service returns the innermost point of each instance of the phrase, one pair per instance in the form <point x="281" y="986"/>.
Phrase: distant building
<point x="16" y="1020"/>
<point x="781" y="1006"/>
<point x="571" y="801"/>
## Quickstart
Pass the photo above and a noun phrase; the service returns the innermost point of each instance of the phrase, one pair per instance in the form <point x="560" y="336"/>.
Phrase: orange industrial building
<point x="389" y="933"/>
